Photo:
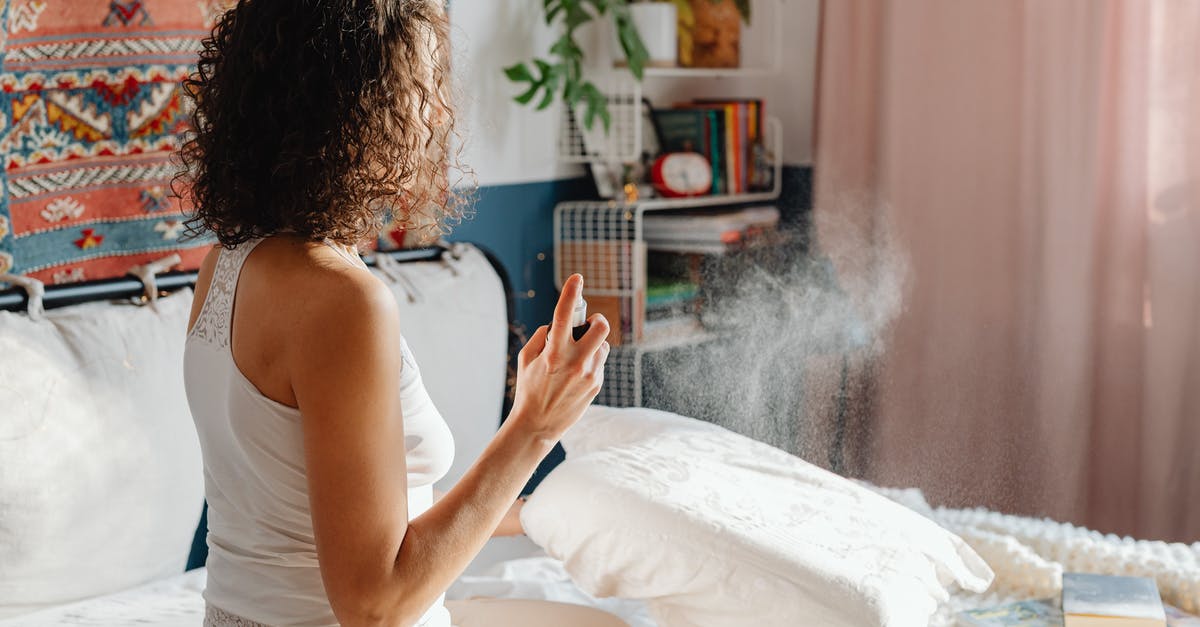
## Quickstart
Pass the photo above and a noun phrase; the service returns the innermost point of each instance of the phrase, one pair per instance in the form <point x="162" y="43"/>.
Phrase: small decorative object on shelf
<point x="681" y="174"/>
<point x="715" y="34"/>
<point x="656" y="22"/>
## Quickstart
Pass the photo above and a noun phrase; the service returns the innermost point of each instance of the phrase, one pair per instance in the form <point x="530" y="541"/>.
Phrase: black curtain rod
<point x="14" y="299"/>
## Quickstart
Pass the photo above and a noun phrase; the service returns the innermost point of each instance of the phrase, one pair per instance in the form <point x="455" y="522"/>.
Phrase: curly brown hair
<point x="323" y="118"/>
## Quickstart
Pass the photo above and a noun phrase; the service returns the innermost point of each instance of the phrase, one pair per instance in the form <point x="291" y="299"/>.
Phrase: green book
<point x="681" y="130"/>
<point x="669" y="293"/>
<point x="712" y="144"/>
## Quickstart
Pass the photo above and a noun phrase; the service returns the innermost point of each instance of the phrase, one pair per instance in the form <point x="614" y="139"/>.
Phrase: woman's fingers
<point x="597" y="365"/>
<point x="534" y="347"/>
<point x="597" y="332"/>
<point x="560" y="328"/>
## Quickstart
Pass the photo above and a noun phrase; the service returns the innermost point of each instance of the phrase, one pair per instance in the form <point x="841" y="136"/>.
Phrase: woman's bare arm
<point x="510" y="524"/>
<point x="378" y="567"/>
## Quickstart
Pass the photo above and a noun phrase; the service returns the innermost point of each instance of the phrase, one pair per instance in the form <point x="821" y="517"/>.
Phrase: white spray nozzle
<point x="579" y="315"/>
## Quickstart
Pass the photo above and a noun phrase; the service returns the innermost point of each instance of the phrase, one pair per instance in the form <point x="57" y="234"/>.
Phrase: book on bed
<point x="1039" y="613"/>
<point x="1045" y="612"/>
<point x="1111" y="601"/>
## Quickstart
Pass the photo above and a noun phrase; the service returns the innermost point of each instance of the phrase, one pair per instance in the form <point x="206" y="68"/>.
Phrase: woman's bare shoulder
<point x="319" y="288"/>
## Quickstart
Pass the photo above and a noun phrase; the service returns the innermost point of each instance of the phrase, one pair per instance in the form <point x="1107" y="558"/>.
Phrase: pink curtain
<point x="1038" y="165"/>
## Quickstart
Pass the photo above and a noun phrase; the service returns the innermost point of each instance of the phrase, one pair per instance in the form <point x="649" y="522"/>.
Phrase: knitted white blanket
<point x="1029" y="555"/>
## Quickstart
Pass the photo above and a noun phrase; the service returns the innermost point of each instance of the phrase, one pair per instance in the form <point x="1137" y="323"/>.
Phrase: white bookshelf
<point x="603" y="239"/>
<point x="623" y="142"/>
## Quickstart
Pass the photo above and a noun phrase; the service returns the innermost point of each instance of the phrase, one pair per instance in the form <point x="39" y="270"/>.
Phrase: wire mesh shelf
<point x="622" y="142"/>
<point x="622" y="378"/>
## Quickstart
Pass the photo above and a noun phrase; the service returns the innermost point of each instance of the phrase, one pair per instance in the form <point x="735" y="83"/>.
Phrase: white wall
<point x="504" y="142"/>
<point x="511" y="143"/>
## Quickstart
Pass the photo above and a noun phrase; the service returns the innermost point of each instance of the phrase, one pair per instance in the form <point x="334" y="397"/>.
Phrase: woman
<point x="320" y="443"/>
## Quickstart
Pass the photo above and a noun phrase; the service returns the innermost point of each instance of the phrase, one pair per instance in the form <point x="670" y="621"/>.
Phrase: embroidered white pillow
<point x="713" y="529"/>
<point x="101" y="481"/>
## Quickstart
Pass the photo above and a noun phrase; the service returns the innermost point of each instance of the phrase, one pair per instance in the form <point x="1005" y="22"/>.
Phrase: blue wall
<point x="515" y="223"/>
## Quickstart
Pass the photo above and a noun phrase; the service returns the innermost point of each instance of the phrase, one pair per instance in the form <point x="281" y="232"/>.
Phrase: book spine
<point x="714" y="151"/>
<point x="731" y="147"/>
<point x="744" y="145"/>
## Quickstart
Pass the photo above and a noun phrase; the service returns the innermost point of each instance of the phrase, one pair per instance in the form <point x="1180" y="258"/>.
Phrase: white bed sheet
<point x="517" y="568"/>
<point x="506" y="568"/>
<point x="173" y="602"/>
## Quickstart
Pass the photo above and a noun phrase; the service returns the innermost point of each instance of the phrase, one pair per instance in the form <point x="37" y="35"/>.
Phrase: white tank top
<point x="262" y="558"/>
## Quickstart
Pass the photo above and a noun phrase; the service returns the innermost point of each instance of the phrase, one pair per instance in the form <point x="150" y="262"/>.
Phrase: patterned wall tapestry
<point x="90" y="115"/>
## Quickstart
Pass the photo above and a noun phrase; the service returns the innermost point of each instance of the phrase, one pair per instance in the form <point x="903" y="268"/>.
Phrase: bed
<point x="456" y="316"/>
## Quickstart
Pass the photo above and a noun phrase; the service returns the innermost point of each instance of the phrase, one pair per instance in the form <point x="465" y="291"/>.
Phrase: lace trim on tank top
<point x="217" y="617"/>
<point x="212" y="325"/>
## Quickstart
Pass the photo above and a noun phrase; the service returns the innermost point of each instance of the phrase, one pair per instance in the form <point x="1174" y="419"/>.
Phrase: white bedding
<point x="516" y="568"/>
<point x="173" y="602"/>
<point x="715" y="529"/>
<point x="507" y="568"/>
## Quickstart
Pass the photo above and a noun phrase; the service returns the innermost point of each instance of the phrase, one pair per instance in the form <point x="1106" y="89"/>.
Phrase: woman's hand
<point x="557" y="377"/>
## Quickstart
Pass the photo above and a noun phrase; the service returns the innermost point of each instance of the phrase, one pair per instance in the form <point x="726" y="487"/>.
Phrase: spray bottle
<point x="579" y="323"/>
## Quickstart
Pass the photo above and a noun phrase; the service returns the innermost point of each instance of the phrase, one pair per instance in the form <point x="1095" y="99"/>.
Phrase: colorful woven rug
<point x="91" y="114"/>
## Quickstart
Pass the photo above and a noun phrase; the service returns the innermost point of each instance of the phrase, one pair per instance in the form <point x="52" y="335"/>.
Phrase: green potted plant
<point x="561" y="72"/>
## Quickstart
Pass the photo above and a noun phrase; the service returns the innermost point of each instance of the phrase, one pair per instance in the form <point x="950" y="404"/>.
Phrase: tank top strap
<point x="213" y="323"/>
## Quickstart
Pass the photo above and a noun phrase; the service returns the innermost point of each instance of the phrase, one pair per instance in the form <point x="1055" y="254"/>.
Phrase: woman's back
<point x="262" y="550"/>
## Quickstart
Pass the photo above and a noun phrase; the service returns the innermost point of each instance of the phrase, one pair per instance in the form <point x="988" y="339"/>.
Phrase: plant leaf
<point x="572" y="93"/>
<point x="547" y="98"/>
<point x="601" y="6"/>
<point x="555" y="7"/>
<point x="528" y="95"/>
<point x="518" y="73"/>
<point x="631" y="43"/>
<point x="576" y="16"/>
<point x="566" y="47"/>
<point x="597" y="106"/>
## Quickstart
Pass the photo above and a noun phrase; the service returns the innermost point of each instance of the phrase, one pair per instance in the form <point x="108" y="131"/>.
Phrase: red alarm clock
<point x="679" y="174"/>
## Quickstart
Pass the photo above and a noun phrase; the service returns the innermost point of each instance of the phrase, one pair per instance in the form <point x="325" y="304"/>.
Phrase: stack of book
<point x="709" y="233"/>
<point x="729" y="133"/>
<point x="1088" y="601"/>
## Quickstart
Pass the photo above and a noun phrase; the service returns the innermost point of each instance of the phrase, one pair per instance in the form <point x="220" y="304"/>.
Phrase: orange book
<point x="731" y="148"/>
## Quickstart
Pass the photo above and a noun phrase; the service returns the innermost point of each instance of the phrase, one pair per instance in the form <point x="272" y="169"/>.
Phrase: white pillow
<point x="101" y="480"/>
<point x="713" y="529"/>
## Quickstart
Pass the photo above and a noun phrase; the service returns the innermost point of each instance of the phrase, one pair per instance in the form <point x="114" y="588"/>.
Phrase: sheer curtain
<point x="1038" y="163"/>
